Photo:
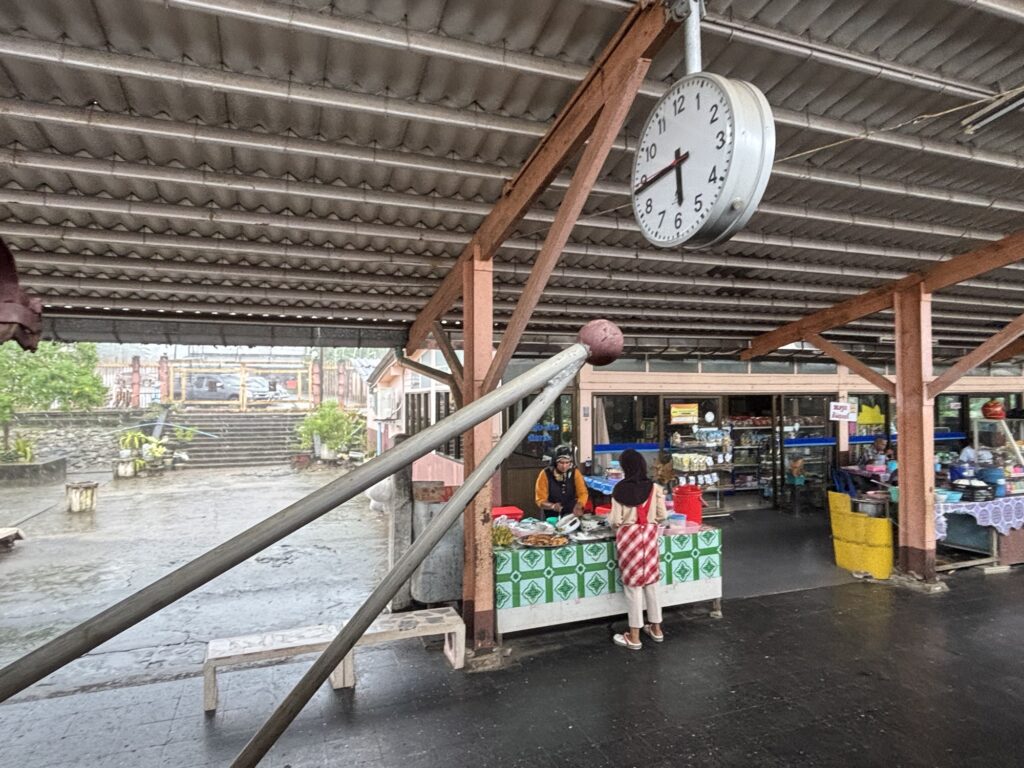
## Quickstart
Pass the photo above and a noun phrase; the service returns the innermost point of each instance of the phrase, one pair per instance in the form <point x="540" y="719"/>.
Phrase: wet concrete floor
<point x="855" y="675"/>
<point x="72" y="566"/>
<point x="858" y="674"/>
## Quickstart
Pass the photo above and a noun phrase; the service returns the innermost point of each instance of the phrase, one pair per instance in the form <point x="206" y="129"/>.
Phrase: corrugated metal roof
<point x="212" y="159"/>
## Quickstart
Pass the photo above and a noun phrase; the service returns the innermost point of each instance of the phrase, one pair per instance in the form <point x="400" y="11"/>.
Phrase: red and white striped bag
<point x="637" y="546"/>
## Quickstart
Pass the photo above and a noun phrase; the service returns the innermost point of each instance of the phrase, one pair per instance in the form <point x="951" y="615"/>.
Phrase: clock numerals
<point x="661" y="124"/>
<point x="698" y="204"/>
<point x="720" y="139"/>
<point x="661" y="218"/>
<point x="697" y="99"/>
<point x="678" y="104"/>
<point x="714" y="114"/>
<point x="678" y="221"/>
<point x="713" y="176"/>
<point x="649" y="205"/>
<point x="651" y="151"/>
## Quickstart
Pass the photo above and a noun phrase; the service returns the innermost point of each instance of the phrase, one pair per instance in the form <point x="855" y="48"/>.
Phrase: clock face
<point x="683" y="160"/>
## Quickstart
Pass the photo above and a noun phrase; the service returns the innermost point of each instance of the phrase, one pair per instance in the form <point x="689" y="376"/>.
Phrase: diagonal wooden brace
<point x="978" y="356"/>
<point x="620" y="97"/>
<point x="642" y="34"/>
<point x="845" y="358"/>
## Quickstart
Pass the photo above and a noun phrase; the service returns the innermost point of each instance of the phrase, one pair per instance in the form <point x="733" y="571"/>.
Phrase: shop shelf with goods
<point x="704" y="458"/>
<point x="752" y="452"/>
<point x="1000" y="443"/>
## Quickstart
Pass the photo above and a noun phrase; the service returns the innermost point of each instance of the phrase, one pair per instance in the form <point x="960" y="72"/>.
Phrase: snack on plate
<point x="545" y="540"/>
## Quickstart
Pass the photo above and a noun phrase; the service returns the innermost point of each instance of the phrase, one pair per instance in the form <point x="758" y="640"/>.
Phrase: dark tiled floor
<point x="766" y="551"/>
<point x="855" y="675"/>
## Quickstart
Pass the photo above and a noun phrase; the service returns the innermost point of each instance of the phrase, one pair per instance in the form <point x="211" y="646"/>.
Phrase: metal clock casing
<point x="713" y="139"/>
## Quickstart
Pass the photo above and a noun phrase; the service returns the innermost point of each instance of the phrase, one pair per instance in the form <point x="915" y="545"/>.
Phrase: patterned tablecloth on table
<point x="525" y="577"/>
<point x="1004" y="514"/>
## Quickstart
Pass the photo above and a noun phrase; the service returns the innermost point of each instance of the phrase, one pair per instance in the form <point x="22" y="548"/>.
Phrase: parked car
<point x="226" y="386"/>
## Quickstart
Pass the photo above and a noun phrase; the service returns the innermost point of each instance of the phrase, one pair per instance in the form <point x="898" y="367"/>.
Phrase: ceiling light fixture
<point x="1009" y="102"/>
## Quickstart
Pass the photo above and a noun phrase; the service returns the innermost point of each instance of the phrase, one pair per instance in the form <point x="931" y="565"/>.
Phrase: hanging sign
<point x="840" y="411"/>
<point x="684" y="413"/>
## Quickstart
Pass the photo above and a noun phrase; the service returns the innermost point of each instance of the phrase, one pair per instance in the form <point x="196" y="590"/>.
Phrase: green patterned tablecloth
<point x="524" y="577"/>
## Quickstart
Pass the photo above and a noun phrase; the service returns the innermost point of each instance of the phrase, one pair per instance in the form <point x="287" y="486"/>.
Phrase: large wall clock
<point x="703" y="161"/>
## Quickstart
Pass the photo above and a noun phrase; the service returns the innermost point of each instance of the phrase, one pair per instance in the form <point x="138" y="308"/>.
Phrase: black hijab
<point x="634" y="488"/>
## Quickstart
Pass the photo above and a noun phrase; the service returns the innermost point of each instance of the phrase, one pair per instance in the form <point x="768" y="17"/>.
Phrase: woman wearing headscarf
<point x="638" y="505"/>
<point x="560" y="488"/>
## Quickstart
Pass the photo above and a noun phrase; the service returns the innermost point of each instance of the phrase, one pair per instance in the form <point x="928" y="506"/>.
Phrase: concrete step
<point x="229" y="461"/>
<point x="260" y="449"/>
<point x="254" y="433"/>
<point x="269" y="439"/>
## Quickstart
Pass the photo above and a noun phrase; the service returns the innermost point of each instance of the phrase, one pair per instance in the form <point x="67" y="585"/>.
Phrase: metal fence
<point x="242" y="386"/>
<point x="117" y="378"/>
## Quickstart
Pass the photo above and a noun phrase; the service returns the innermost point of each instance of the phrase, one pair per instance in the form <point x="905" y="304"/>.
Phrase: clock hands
<point x="679" y="179"/>
<point x="674" y="165"/>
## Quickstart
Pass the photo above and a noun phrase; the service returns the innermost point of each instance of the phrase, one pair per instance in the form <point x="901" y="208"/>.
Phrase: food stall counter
<point x="581" y="580"/>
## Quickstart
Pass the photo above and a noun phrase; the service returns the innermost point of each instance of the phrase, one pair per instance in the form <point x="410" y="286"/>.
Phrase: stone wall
<point x="88" y="439"/>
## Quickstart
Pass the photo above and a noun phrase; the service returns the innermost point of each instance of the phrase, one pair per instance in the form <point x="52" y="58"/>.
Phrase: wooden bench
<point x="8" y="536"/>
<point x="275" y="647"/>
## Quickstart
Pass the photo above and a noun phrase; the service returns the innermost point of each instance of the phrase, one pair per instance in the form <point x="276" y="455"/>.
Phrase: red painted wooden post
<point x="136" y="381"/>
<point x="164" y="374"/>
<point x="316" y="390"/>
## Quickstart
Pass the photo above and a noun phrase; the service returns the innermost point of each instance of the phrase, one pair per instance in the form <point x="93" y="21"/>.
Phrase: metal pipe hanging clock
<point x="703" y="160"/>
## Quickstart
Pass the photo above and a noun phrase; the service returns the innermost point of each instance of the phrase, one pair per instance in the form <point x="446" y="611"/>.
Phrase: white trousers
<point x="635" y="598"/>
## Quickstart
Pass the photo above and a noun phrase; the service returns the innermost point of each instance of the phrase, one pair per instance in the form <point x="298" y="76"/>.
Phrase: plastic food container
<point x="567" y="524"/>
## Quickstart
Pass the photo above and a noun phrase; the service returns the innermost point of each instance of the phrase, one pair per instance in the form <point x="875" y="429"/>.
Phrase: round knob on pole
<point x="604" y="339"/>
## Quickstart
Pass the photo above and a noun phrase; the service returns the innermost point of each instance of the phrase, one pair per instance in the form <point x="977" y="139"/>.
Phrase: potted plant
<point x="22" y="451"/>
<point x="129" y="459"/>
<point x="156" y="455"/>
<point x="130" y="443"/>
<point x="337" y="430"/>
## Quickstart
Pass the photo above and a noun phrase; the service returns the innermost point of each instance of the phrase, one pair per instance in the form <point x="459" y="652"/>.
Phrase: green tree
<point x="61" y="376"/>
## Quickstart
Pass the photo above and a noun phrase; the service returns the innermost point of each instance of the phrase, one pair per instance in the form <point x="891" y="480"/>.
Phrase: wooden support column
<point x="478" y="340"/>
<point x="916" y="422"/>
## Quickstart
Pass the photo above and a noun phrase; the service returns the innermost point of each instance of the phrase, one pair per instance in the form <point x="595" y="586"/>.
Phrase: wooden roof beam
<point x="981" y="353"/>
<point x="944" y="274"/>
<point x="845" y="358"/>
<point x="619" y="95"/>
<point x="641" y="36"/>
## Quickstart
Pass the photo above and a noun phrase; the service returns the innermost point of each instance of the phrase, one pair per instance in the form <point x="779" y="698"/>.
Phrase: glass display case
<point x="808" y="447"/>
<point x="751" y="422"/>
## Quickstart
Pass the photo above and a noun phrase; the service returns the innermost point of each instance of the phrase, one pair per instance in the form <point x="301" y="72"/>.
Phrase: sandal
<point x="650" y="633"/>
<point x="625" y="642"/>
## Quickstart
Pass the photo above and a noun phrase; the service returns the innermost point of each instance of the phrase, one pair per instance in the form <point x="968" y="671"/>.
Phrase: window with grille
<point x="417" y="412"/>
<point x="443" y="406"/>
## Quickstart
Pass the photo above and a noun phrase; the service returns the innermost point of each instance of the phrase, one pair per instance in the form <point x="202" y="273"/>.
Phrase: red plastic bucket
<point x="686" y="500"/>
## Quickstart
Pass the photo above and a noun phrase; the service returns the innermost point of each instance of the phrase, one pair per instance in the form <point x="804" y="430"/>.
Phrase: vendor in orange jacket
<point x="560" y="488"/>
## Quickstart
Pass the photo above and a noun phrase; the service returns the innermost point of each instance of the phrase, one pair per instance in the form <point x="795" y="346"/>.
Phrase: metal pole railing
<point x="81" y="639"/>
<point x="332" y="656"/>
